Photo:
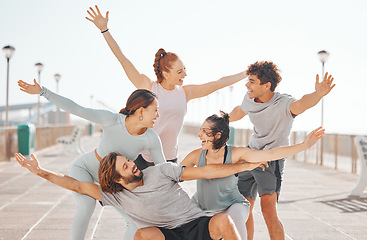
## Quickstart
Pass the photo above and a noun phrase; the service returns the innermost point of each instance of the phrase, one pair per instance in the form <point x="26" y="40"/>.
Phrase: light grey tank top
<point x="216" y="195"/>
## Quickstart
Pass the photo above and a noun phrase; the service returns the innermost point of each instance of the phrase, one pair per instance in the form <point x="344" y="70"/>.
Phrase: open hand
<point x="314" y="136"/>
<point x="31" y="164"/>
<point x="30" y="88"/>
<point x="325" y="86"/>
<point x="97" y="18"/>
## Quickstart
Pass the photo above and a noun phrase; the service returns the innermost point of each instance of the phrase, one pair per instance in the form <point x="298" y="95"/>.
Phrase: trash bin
<point x="232" y="134"/>
<point x="91" y="129"/>
<point x="26" y="139"/>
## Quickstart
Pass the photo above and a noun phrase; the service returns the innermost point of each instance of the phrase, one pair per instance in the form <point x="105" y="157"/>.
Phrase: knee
<point x="85" y="202"/>
<point x="139" y="235"/>
<point x="225" y="221"/>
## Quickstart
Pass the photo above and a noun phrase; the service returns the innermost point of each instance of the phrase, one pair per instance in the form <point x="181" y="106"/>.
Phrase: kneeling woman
<point x="222" y="194"/>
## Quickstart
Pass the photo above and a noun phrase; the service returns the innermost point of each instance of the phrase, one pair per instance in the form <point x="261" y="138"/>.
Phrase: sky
<point x="213" y="39"/>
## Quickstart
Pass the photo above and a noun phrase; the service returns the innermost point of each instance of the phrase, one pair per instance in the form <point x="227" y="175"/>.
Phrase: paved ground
<point x="314" y="203"/>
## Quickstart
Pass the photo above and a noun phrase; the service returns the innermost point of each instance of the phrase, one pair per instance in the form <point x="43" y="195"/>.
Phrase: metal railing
<point x="339" y="150"/>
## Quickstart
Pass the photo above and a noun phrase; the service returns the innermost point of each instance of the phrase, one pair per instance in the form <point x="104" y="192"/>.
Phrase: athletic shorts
<point x="197" y="229"/>
<point x="141" y="163"/>
<point x="263" y="182"/>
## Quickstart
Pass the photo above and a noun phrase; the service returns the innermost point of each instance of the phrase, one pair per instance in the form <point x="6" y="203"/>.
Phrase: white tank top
<point x="172" y="110"/>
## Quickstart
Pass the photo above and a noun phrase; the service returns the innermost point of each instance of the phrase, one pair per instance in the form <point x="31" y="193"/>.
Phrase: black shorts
<point x="197" y="229"/>
<point x="141" y="163"/>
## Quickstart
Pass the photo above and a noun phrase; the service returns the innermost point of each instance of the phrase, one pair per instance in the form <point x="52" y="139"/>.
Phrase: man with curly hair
<point x="272" y="115"/>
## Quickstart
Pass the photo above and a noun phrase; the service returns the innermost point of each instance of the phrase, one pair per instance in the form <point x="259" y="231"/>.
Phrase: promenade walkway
<point x="314" y="202"/>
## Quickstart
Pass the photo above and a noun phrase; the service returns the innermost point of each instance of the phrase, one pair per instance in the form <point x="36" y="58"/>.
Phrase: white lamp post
<point x="57" y="78"/>
<point x="323" y="55"/>
<point x="39" y="67"/>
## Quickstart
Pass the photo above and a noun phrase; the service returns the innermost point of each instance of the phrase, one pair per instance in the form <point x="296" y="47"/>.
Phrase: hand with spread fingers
<point x="314" y="136"/>
<point x="31" y="164"/>
<point x="30" y="88"/>
<point x="98" y="19"/>
<point x="325" y="86"/>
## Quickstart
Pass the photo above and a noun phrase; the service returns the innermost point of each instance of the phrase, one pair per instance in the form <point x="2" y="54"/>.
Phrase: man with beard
<point x="152" y="197"/>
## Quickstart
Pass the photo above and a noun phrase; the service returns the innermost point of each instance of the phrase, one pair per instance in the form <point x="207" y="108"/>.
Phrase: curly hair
<point x="163" y="63"/>
<point x="108" y="175"/>
<point x="266" y="72"/>
<point x="220" y="125"/>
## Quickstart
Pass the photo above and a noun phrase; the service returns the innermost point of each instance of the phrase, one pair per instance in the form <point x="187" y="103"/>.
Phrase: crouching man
<point x="152" y="197"/>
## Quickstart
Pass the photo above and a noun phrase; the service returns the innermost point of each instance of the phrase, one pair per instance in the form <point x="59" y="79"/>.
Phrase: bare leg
<point x="269" y="210"/>
<point x="149" y="233"/>
<point x="222" y="226"/>
<point x="250" y="221"/>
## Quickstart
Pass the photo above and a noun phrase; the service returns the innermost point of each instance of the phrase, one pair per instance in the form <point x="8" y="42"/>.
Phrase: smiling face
<point x="255" y="88"/>
<point x="176" y="74"/>
<point x="205" y="135"/>
<point x="128" y="171"/>
<point x="150" y="114"/>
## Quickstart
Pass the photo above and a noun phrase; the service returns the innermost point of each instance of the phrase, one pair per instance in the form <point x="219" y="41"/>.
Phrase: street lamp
<point x="39" y="67"/>
<point x="57" y="78"/>
<point x="323" y="55"/>
<point x="8" y="51"/>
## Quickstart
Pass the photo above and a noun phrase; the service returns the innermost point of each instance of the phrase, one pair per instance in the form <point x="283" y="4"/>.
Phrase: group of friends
<point x="135" y="167"/>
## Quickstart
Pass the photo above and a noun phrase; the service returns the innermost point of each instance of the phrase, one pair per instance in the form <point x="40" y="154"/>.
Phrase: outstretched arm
<point x="309" y="100"/>
<point x="198" y="91"/>
<point x="61" y="180"/>
<point x="249" y="155"/>
<point x="218" y="170"/>
<point x="94" y="115"/>
<point x="139" y="80"/>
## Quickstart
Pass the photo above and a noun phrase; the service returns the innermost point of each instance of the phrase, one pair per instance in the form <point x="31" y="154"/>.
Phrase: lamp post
<point x="57" y="78"/>
<point x="323" y="55"/>
<point x="8" y="51"/>
<point x="39" y="67"/>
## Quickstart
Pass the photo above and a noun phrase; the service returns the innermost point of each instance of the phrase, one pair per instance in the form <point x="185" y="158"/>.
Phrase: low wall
<point x="45" y="137"/>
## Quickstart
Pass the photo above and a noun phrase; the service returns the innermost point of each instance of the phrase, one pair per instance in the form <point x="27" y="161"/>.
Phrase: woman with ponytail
<point x="172" y="95"/>
<point x="222" y="194"/>
<point x="128" y="133"/>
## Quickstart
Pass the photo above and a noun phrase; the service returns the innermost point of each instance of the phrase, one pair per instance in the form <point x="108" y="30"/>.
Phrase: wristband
<point x="104" y="30"/>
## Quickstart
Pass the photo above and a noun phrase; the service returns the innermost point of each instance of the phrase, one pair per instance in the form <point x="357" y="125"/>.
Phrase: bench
<point x="72" y="142"/>
<point x="361" y="145"/>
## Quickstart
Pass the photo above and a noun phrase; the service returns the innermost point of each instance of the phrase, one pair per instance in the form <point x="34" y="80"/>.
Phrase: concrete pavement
<point x="313" y="204"/>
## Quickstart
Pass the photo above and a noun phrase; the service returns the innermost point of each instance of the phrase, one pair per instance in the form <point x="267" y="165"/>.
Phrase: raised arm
<point x="218" y="170"/>
<point x="309" y="100"/>
<point x="250" y="155"/>
<point x="140" y="81"/>
<point x="198" y="91"/>
<point x="236" y="114"/>
<point x="94" y="115"/>
<point x="61" y="180"/>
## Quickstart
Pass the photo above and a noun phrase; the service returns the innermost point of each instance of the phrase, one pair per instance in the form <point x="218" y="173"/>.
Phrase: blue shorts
<point x="197" y="229"/>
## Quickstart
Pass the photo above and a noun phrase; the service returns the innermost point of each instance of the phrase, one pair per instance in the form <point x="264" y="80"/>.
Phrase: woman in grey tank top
<point x="222" y="194"/>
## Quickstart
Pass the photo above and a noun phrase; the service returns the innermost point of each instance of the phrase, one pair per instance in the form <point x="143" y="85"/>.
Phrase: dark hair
<point x="139" y="98"/>
<point x="108" y="175"/>
<point x="220" y="124"/>
<point x="266" y="72"/>
<point x="163" y="62"/>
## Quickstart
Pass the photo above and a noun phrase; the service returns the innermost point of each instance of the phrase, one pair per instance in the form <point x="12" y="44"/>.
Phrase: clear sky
<point x="213" y="38"/>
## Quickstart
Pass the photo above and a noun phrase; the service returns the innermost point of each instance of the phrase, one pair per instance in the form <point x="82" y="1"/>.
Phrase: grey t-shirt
<point x="160" y="202"/>
<point x="272" y="121"/>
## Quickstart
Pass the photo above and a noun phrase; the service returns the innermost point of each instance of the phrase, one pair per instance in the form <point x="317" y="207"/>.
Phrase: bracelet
<point x="104" y="30"/>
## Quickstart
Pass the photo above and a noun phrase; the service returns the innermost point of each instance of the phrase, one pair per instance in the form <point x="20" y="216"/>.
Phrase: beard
<point x="133" y="178"/>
